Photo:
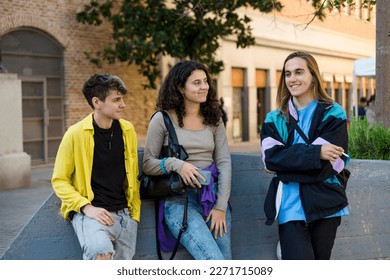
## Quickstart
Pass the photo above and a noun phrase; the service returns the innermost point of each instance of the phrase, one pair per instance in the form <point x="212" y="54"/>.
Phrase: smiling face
<point x="196" y="88"/>
<point x="298" y="78"/>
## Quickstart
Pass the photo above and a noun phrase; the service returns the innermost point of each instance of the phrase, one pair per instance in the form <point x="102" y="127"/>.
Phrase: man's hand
<point x="100" y="214"/>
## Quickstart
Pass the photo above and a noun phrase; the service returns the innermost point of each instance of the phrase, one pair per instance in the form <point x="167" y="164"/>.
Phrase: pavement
<point x="18" y="206"/>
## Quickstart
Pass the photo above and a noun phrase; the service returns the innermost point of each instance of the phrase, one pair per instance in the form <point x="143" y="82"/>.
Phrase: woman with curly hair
<point x="188" y="96"/>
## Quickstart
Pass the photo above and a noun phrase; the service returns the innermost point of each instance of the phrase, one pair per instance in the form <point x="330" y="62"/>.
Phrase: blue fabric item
<point x="96" y="238"/>
<point x="291" y="207"/>
<point x="207" y="201"/>
<point x="328" y="125"/>
<point x="162" y="162"/>
<point x="198" y="239"/>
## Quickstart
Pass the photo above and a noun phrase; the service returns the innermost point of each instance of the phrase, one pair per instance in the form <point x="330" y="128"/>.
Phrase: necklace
<point x="103" y="134"/>
<point x="112" y="134"/>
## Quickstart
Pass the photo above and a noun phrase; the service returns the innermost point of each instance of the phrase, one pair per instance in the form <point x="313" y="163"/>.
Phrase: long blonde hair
<point x="319" y="92"/>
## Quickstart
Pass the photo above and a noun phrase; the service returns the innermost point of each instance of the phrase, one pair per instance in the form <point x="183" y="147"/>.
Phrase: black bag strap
<point x="342" y="176"/>
<point x="177" y="149"/>
<point x="182" y="229"/>
<point x="174" y="140"/>
<point x="170" y="128"/>
<point x="299" y="130"/>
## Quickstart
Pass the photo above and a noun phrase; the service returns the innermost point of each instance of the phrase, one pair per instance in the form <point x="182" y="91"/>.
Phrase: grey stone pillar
<point x="15" y="165"/>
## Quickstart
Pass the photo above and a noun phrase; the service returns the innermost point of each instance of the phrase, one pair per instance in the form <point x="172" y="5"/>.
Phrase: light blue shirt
<point x="291" y="206"/>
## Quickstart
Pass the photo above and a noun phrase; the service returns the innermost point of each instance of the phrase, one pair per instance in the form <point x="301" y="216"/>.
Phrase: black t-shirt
<point x="108" y="170"/>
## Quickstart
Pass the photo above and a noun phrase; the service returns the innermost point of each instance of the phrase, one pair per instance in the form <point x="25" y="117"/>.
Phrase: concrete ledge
<point x="364" y="234"/>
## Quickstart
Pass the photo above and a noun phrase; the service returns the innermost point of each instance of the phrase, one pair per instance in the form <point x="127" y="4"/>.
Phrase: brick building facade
<point x="250" y="73"/>
<point x="56" y="19"/>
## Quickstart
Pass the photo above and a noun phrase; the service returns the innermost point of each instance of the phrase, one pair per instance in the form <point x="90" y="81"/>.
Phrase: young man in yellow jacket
<point x="95" y="174"/>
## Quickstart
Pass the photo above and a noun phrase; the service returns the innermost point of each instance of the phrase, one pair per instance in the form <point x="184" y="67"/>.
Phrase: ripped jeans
<point x="98" y="239"/>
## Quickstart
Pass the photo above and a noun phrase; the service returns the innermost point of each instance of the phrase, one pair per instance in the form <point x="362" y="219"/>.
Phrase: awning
<point x="364" y="67"/>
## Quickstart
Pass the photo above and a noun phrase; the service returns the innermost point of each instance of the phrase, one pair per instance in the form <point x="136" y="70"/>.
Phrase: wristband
<point x="162" y="166"/>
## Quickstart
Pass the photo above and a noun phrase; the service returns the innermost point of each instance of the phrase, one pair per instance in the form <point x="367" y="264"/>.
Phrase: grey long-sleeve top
<point x="202" y="146"/>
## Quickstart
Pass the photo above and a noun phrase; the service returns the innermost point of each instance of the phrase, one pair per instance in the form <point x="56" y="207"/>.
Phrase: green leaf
<point x="142" y="31"/>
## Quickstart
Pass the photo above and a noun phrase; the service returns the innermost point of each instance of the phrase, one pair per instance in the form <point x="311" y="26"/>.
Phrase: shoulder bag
<point x="161" y="186"/>
<point x="171" y="184"/>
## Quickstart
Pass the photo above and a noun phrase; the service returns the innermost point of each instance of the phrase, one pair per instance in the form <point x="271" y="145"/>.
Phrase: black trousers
<point x="312" y="241"/>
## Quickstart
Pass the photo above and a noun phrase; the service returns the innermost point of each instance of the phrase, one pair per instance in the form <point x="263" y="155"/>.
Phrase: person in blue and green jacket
<point x="306" y="195"/>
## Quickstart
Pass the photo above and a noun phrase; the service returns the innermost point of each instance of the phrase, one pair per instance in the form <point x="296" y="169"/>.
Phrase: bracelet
<point x="162" y="167"/>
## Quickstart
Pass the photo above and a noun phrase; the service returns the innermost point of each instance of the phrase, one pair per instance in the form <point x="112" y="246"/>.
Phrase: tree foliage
<point x="145" y="30"/>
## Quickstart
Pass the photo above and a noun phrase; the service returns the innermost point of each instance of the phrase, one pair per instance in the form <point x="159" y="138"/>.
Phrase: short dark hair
<point x="99" y="85"/>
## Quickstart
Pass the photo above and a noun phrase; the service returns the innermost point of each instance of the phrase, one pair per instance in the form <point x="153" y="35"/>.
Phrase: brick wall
<point x="58" y="19"/>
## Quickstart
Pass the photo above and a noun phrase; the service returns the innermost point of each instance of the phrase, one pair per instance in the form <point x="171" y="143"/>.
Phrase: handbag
<point x="161" y="186"/>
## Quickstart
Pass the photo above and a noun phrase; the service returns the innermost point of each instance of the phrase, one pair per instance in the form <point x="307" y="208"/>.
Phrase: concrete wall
<point x="364" y="234"/>
<point x="15" y="165"/>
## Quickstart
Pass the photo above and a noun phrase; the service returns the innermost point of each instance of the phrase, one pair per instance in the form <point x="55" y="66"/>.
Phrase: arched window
<point x="38" y="60"/>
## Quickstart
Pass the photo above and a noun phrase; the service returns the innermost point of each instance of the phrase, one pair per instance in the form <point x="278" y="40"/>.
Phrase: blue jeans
<point x="197" y="239"/>
<point x="98" y="239"/>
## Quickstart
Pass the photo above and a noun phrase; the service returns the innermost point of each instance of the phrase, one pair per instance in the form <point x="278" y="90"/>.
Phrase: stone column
<point x="15" y="165"/>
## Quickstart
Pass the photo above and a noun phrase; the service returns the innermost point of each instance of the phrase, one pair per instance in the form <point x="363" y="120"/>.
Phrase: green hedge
<point x="367" y="142"/>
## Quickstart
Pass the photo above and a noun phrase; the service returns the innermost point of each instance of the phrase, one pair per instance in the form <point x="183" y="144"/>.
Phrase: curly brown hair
<point x="171" y="98"/>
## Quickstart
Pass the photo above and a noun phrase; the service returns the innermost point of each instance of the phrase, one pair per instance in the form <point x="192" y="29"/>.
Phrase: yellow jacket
<point x="71" y="179"/>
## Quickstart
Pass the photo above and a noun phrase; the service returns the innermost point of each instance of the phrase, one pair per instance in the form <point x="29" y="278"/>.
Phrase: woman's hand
<point x="218" y="222"/>
<point x="99" y="214"/>
<point x="189" y="175"/>
<point x="331" y="152"/>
